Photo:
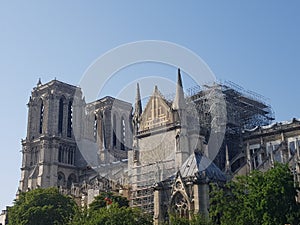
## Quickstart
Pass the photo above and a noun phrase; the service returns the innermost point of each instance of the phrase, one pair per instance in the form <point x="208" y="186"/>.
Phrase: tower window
<point x="95" y="127"/>
<point x="60" y="154"/>
<point x="69" y="156"/>
<point x="35" y="156"/>
<point x="70" y="119"/>
<point x="60" y="116"/>
<point x="66" y="155"/>
<point x="114" y="131"/>
<point x="72" y="154"/>
<point x="41" y="117"/>
<point x="71" y="180"/>
<point x="123" y="133"/>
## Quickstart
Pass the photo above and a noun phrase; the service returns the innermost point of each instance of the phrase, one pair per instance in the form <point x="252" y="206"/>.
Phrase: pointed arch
<point x="114" y="135"/>
<point x="177" y="141"/>
<point x="60" y="115"/>
<point x="70" y="119"/>
<point x="180" y="205"/>
<point x="61" y="179"/>
<point x="42" y="109"/>
<point x="71" y="180"/>
<point x="115" y="129"/>
<point x="123" y="133"/>
<point x="95" y="128"/>
<point x="60" y="154"/>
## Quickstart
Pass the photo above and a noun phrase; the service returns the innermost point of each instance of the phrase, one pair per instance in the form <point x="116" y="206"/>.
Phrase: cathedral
<point x="162" y="156"/>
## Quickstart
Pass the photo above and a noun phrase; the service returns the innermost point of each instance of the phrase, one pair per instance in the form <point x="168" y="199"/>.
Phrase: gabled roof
<point x="157" y="94"/>
<point x="150" y="117"/>
<point x="202" y="167"/>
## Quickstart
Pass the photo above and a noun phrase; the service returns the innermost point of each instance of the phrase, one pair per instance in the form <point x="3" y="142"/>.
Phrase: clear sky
<point x="255" y="44"/>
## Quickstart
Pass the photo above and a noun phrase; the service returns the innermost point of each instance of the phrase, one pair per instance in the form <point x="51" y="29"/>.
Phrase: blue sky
<point x="252" y="43"/>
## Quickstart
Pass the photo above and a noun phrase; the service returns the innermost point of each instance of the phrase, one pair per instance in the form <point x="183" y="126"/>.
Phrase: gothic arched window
<point x="60" y="154"/>
<point x="95" y="127"/>
<point x="72" y="156"/>
<point x="114" y="130"/>
<point x="60" y="115"/>
<point x="41" y="117"/>
<point x="61" y="179"/>
<point x="177" y="138"/>
<point x="69" y="156"/>
<point x="180" y="205"/>
<point x="70" y="119"/>
<point x="123" y="133"/>
<point x="36" y="156"/>
<point x="71" y="179"/>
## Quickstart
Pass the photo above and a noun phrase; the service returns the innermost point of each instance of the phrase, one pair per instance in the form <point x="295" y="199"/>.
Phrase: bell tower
<point x="50" y="155"/>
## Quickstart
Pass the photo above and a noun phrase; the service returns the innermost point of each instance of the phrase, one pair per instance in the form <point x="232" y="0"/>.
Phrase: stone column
<point x="158" y="217"/>
<point x="248" y="157"/>
<point x="201" y="199"/>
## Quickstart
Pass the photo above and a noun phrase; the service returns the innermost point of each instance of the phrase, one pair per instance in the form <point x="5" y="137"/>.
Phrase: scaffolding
<point x="254" y="109"/>
<point x="245" y="109"/>
<point x="242" y="109"/>
<point x="222" y="107"/>
<point x="143" y="197"/>
<point x="143" y="179"/>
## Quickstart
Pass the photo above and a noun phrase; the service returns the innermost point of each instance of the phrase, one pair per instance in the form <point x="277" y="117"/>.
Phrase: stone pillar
<point x="271" y="156"/>
<point x="182" y="148"/>
<point x="249" y="157"/>
<point x="297" y="149"/>
<point x="158" y="217"/>
<point x="25" y="167"/>
<point x="77" y="116"/>
<point x="30" y="131"/>
<point x="201" y="199"/>
<point x="196" y="199"/>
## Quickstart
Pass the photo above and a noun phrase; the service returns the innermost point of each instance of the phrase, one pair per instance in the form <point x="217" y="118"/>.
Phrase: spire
<point x="138" y="103"/>
<point x="179" y="97"/>
<point x="155" y="91"/>
<point x="39" y="82"/>
<point x="137" y="111"/>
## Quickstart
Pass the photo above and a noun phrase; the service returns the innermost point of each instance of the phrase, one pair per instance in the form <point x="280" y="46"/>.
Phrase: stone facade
<point x="160" y="157"/>
<point x="50" y="154"/>
<point x="265" y="145"/>
<point x="67" y="139"/>
<point x="167" y="168"/>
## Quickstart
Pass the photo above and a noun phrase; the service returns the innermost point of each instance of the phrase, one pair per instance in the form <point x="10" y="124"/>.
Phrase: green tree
<point x="108" y="208"/>
<point x="105" y="198"/>
<point x="261" y="198"/>
<point x="42" y="206"/>
<point x="196" y="220"/>
<point x="114" y="215"/>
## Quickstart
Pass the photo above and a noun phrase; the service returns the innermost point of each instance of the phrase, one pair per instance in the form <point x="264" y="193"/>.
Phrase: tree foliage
<point x="261" y="198"/>
<point x="105" y="198"/>
<point x="42" y="206"/>
<point x="196" y="220"/>
<point x="113" y="214"/>
<point x="108" y="208"/>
